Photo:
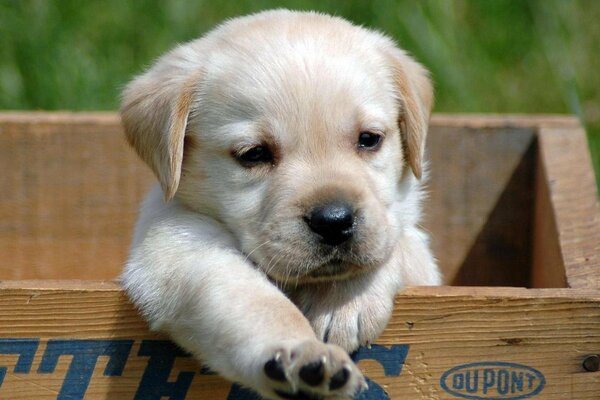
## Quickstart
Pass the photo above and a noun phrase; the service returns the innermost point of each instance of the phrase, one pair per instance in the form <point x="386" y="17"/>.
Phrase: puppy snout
<point x="332" y="222"/>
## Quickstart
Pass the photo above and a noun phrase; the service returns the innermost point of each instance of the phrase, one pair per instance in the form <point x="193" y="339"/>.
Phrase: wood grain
<point x="70" y="190"/>
<point x="472" y="120"/>
<point x="480" y="202"/>
<point x="548" y="269"/>
<point x="573" y="200"/>
<point x="505" y="121"/>
<point x="547" y="329"/>
<point x="70" y="196"/>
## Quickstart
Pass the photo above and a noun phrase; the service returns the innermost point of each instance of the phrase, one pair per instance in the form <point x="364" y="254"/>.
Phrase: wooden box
<point x="513" y="212"/>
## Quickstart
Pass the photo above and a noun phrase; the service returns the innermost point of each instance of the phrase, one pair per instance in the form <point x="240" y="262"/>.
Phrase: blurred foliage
<point x="506" y="56"/>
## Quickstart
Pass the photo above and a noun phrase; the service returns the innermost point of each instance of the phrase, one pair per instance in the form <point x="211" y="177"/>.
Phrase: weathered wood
<point x="480" y="202"/>
<point x="509" y="196"/>
<point x="548" y="268"/>
<point x="550" y="330"/>
<point x="541" y="329"/>
<point x="573" y="202"/>
<point x="505" y="121"/>
<point x="69" y="202"/>
<point x="70" y="190"/>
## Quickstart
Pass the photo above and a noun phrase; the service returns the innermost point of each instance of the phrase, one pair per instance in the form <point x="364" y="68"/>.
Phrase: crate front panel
<point x="442" y="343"/>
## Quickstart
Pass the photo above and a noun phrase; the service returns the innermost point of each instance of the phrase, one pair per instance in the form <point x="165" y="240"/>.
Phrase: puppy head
<point x="301" y="132"/>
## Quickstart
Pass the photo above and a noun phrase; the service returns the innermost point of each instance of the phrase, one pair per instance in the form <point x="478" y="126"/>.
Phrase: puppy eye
<point x="255" y="155"/>
<point x="368" y="140"/>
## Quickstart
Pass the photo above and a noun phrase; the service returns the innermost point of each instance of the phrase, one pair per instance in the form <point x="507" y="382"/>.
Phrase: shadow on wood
<point x="501" y="252"/>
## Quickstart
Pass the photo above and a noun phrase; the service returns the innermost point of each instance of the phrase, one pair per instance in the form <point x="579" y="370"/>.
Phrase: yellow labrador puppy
<point x="289" y="151"/>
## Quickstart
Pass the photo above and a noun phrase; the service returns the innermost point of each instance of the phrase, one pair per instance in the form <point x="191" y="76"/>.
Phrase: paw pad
<point x="297" y="396"/>
<point x="310" y="370"/>
<point x="339" y="379"/>
<point x="313" y="373"/>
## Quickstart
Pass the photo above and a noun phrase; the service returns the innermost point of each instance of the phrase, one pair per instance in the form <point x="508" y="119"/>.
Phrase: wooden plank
<point x="98" y="118"/>
<point x="550" y="334"/>
<point x="548" y="269"/>
<point x="434" y="330"/>
<point x="471" y="120"/>
<point x="70" y="190"/>
<point x="569" y="178"/>
<point x="506" y="121"/>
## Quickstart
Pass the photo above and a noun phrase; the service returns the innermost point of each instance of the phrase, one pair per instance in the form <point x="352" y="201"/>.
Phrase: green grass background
<point x="505" y="56"/>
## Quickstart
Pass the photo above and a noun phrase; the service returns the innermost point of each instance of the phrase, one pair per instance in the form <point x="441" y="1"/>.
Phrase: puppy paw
<point x="311" y="370"/>
<point x="354" y="324"/>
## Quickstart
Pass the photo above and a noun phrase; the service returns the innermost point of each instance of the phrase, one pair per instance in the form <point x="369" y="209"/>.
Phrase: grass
<point x="505" y="56"/>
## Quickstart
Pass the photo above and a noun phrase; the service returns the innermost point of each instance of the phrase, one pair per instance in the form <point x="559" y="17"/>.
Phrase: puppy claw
<point x="364" y="387"/>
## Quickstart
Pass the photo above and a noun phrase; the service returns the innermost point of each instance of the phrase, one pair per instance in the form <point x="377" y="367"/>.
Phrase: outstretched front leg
<point x="188" y="281"/>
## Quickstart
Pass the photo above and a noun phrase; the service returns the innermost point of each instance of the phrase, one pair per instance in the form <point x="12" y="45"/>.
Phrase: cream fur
<point x="227" y="267"/>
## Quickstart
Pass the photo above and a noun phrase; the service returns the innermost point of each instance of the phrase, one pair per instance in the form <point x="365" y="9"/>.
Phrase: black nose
<point x="334" y="222"/>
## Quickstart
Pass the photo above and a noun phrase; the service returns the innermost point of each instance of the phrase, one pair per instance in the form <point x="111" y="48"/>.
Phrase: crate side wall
<point x="479" y="208"/>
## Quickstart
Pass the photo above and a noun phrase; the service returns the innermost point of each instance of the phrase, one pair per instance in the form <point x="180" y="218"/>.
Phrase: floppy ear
<point x="155" y="109"/>
<point x="415" y="93"/>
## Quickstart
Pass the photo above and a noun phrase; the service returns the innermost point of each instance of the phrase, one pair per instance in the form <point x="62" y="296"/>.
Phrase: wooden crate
<point x="515" y="221"/>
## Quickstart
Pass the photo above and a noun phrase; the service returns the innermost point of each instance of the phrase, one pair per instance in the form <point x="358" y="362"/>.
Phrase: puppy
<point x="289" y="151"/>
